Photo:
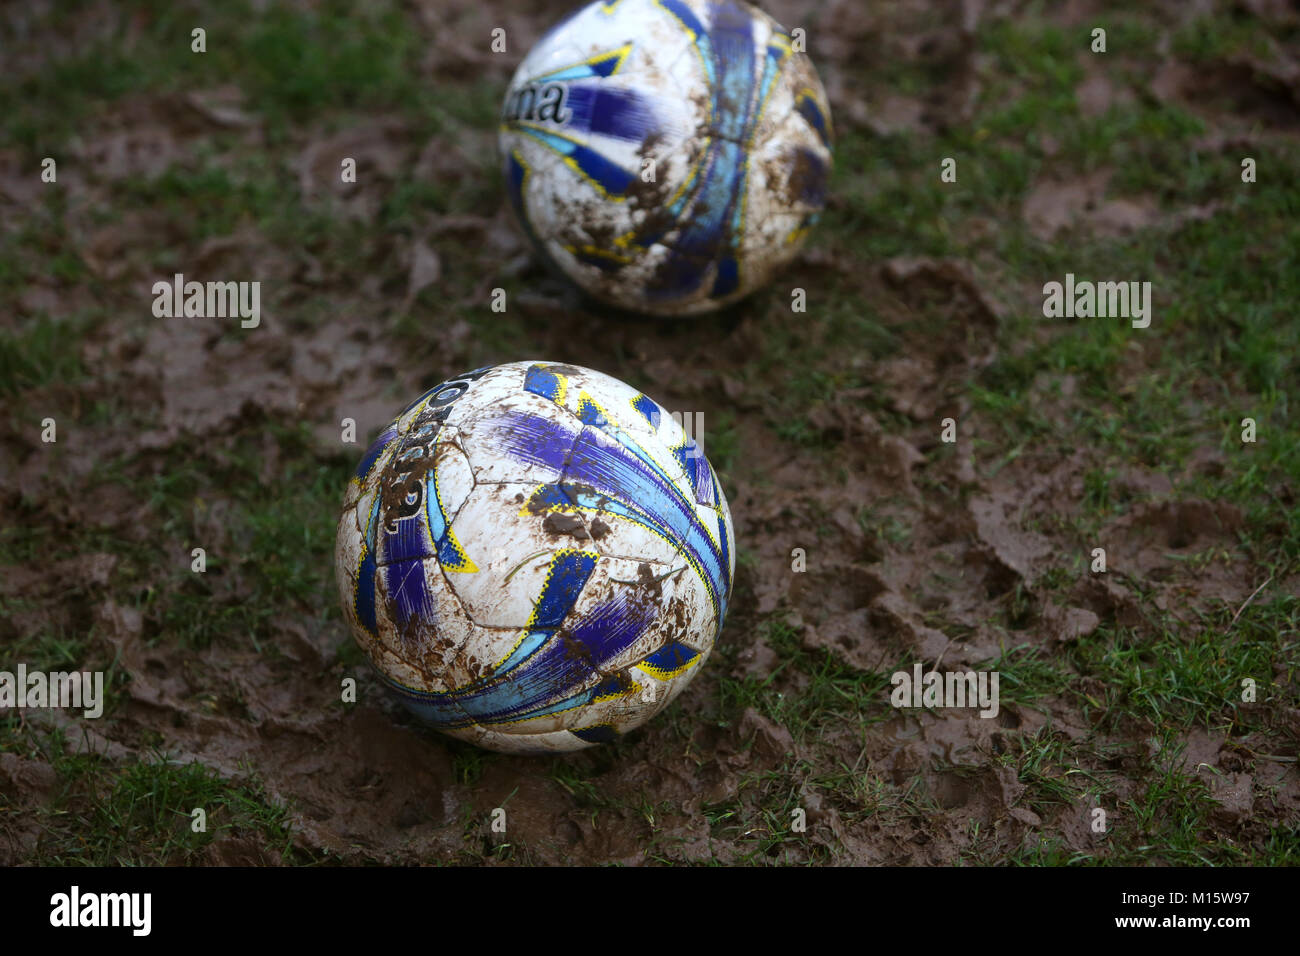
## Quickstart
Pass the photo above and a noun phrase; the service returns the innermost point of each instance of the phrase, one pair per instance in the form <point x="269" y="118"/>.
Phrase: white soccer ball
<point x="535" y="557"/>
<point x="668" y="156"/>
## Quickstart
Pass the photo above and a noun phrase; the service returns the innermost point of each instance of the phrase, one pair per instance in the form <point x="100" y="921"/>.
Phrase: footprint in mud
<point x="851" y="612"/>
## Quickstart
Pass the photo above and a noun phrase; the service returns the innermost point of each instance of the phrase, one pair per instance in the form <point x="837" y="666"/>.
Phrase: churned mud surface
<point x="867" y="543"/>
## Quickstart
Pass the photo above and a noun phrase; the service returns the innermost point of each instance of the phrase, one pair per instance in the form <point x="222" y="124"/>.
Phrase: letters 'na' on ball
<point x="535" y="557"/>
<point x="668" y="156"/>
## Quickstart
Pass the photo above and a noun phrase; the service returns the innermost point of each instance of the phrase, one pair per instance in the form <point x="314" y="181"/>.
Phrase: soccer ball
<point x="668" y="156"/>
<point x="535" y="557"/>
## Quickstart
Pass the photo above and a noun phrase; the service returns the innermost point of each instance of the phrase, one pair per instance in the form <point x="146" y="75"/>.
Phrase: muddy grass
<point x="1121" y="691"/>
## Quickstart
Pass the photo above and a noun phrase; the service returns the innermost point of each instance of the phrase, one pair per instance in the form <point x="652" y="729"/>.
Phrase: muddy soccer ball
<point x="668" y="156"/>
<point x="535" y="557"/>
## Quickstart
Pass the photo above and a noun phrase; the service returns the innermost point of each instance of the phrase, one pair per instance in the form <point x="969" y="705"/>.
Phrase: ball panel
<point x="505" y="542"/>
<point x="347" y="558"/>
<point x="560" y="741"/>
<point x="472" y="734"/>
<point x="422" y="629"/>
<point x="631" y="411"/>
<point x="517" y="439"/>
